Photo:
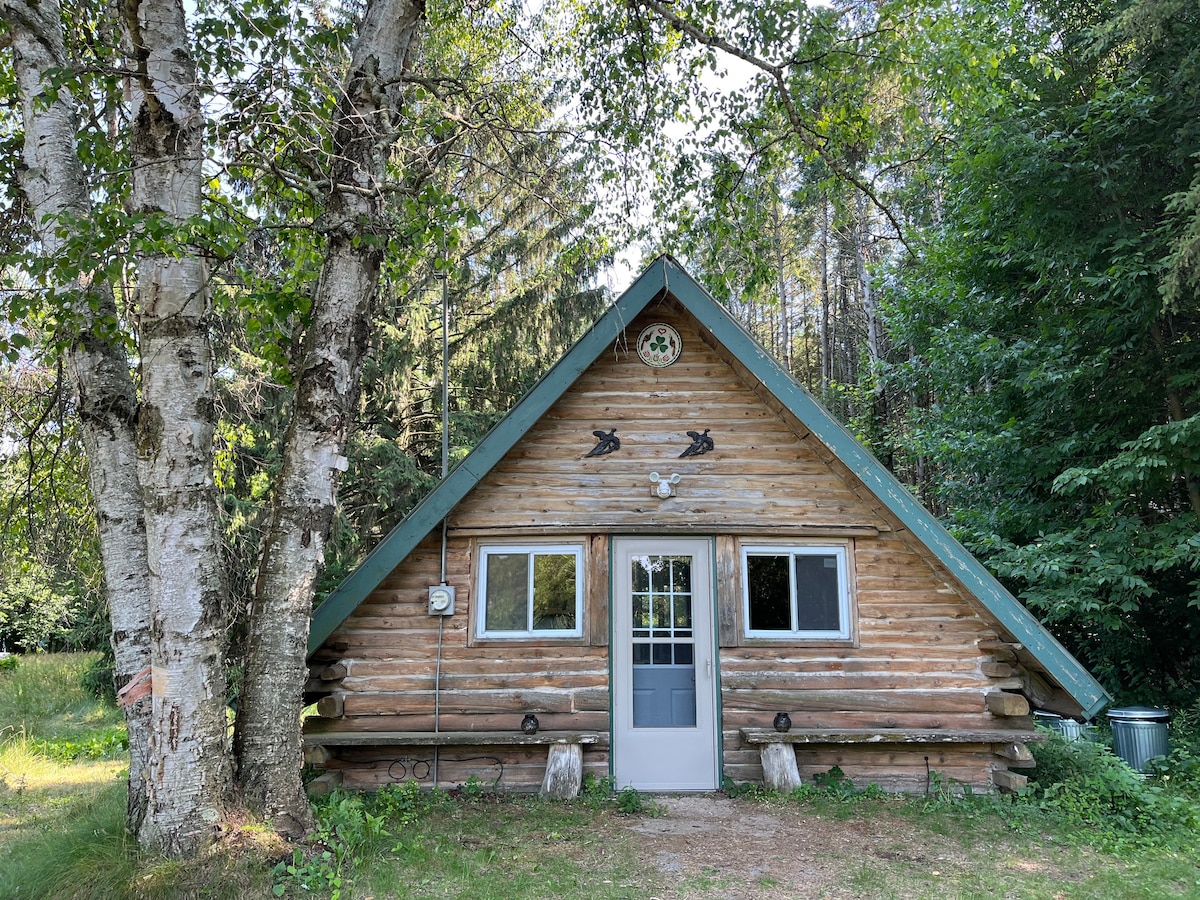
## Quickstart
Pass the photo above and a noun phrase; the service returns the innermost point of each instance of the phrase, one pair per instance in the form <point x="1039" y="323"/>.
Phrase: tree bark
<point x="189" y="762"/>
<point x="54" y="183"/>
<point x="267" y="742"/>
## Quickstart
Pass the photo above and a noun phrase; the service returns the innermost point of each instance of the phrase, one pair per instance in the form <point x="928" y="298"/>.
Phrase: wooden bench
<point x="781" y="773"/>
<point x="564" y="760"/>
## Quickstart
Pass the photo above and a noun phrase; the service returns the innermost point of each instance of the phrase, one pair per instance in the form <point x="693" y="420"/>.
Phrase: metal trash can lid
<point x="1139" y="714"/>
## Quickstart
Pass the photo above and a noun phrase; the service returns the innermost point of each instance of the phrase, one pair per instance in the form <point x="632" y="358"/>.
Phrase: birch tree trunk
<point x="54" y="183"/>
<point x="268" y="750"/>
<point x="189" y="771"/>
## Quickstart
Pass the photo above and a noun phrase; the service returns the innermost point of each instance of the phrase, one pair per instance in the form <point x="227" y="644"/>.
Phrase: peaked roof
<point x="666" y="275"/>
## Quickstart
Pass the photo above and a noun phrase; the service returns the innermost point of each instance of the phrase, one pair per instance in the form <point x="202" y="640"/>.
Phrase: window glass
<point x="796" y="592"/>
<point x="770" y="593"/>
<point x="507" y="591"/>
<point x="554" y="592"/>
<point x="531" y="591"/>
<point x="817" y="595"/>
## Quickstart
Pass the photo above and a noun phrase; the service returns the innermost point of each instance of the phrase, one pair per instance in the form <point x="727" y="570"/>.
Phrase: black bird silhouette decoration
<point x="701" y="443"/>
<point x="608" y="443"/>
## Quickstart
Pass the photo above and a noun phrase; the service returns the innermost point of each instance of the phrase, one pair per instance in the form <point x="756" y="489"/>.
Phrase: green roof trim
<point x="666" y="274"/>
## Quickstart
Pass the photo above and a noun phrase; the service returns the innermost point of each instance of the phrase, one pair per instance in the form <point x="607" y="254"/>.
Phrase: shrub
<point x="1088" y="784"/>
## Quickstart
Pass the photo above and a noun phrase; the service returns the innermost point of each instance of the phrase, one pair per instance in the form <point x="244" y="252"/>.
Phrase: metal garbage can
<point x="1068" y="728"/>
<point x="1139" y="732"/>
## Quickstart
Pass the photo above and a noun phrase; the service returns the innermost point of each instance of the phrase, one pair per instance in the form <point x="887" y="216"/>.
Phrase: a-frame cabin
<point x="656" y="604"/>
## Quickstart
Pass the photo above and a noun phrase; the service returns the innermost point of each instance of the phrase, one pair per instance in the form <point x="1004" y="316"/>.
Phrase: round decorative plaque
<point x="658" y="345"/>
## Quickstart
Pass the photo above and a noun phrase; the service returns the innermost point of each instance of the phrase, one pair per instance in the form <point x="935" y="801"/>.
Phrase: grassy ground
<point x="62" y="836"/>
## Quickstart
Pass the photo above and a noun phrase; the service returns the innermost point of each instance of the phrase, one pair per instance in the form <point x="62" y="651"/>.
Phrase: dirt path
<point x="720" y="847"/>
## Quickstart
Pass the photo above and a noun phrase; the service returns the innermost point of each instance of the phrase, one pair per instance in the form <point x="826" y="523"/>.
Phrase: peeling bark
<point x="267" y="743"/>
<point x="189" y="772"/>
<point x="54" y="183"/>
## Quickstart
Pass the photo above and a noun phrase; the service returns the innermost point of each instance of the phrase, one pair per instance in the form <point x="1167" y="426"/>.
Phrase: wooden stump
<point x="564" y="772"/>
<point x="779" y="768"/>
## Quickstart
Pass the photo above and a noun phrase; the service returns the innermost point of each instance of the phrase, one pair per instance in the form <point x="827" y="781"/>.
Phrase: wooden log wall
<point x="916" y="659"/>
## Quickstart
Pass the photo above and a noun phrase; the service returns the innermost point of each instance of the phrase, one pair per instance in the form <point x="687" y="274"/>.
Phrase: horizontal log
<point x="888" y="736"/>
<point x="1016" y="753"/>
<point x="324" y="784"/>
<point x="333" y="673"/>
<point x="494" y="721"/>
<point x="848" y="701"/>
<point x="451" y="738"/>
<point x="1009" y="782"/>
<point x="1002" y="703"/>
<point x="331" y="707"/>
<point x="997" y="669"/>
<point x="317" y="756"/>
<point x="893" y="679"/>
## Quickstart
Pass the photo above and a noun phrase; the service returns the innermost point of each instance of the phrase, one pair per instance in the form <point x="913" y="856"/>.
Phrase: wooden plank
<point x="887" y="736"/>
<point x="728" y="591"/>
<point x="1002" y="703"/>
<point x="751" y="529"/>
<point x="996" y="669"/>
<point x="596" y="585"/>
<point x="450" y="738"/>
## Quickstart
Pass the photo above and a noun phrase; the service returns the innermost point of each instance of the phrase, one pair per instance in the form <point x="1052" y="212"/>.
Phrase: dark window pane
<point x="770" y="593"/>
<point x="554" y="592"/>
<point x="683" y="612"/>
<point x="817" y="593"/>
<point x="660" y="573"/>
<point x="641" y="575"/>
<point x="641" y="654"/>
<point x="662" y="654"/>
<point x="662" y="614"/>
<point x="507" y="590"/>
<point x="681" y="574"/>
<point x="683" y="654"/>
<point x="641" y="611"/>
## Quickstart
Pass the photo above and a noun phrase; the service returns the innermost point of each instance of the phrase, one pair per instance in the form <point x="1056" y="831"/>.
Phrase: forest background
<point x="972" y="231"/>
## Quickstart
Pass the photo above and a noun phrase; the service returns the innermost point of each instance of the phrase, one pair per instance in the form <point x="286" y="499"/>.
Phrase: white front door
<point x="664" y="676"/>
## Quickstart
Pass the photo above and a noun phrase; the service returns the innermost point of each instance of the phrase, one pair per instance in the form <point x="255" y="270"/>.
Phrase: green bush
<point x="98" y="680"/>
<point x="1086" y="783"/>
<point x="8" y="662"/>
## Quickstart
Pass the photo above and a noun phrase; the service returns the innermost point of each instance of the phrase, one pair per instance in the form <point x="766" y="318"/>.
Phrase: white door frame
<point x="670" y="758"/>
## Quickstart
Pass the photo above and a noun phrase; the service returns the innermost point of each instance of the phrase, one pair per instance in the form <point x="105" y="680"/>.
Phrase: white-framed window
<point x="530" y="591"/>
<point x="796" y="593"/>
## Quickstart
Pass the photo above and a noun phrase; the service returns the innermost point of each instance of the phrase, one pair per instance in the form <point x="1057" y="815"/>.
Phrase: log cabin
<point x="664" y="546"/>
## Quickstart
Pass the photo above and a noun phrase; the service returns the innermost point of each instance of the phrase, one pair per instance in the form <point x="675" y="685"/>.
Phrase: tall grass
<point x="44" y="697"/>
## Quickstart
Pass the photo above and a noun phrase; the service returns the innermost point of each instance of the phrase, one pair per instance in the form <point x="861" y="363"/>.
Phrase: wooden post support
<point x="564" y="772"/>
<point x="1002" y="703"/>
<point x="331" y="706"/>
<point x="780" y="772"/>
<point x="1008" y="781"/>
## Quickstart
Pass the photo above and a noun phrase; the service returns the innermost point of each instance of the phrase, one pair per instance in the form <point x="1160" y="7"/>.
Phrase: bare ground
<point x="724" y="847"/>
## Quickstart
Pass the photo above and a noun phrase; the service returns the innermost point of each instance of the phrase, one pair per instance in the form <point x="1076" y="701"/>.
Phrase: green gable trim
<point x="665" y="273"/>
<point x="438" y="503"/>
<point x="1019" y="622"/>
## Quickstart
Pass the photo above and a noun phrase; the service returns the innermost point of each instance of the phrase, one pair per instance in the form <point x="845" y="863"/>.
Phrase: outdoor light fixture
<point x="664" y="485"/>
